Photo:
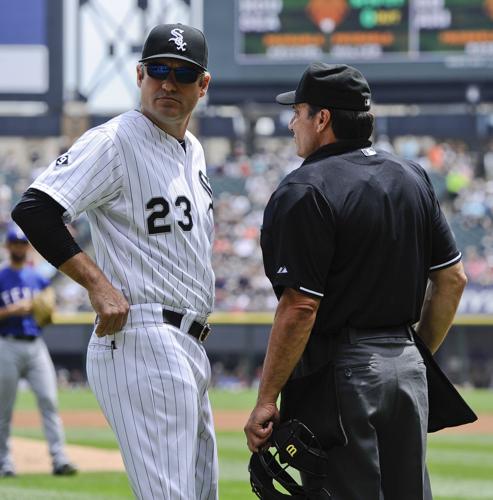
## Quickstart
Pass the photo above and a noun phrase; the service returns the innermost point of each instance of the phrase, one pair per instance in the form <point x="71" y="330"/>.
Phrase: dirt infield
<point x="225" y="420"/>
<point x="230" y="420"/>
<point x="32" y="455"/>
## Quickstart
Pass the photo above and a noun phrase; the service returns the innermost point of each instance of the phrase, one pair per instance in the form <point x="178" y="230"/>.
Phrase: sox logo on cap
<point x="178" y="39"/>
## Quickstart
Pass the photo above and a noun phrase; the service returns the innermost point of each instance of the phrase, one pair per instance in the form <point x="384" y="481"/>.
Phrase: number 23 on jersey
<point x="156" y="222"/>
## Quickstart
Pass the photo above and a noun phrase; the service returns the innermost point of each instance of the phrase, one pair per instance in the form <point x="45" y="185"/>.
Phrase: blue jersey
<point x="15" y="285"/>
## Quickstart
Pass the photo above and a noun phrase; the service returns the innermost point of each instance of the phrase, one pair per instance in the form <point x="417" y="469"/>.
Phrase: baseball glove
<point x="43" y="306"/>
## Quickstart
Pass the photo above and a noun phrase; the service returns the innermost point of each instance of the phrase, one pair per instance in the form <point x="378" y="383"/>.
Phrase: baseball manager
<point x="141" y="179"/>
<point x="357" y="250"/>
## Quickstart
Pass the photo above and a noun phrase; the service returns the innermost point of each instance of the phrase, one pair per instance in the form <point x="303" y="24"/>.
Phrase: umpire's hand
<point x="259" y="427"/>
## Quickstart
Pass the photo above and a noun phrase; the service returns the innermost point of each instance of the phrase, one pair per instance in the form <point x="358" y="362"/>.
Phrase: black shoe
<point x="64" y="470"/>
<point x="7" y="473"/>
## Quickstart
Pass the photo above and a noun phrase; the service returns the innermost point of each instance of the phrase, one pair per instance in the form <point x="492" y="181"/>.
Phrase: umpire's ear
<point x="324" y="118"/>
<point x="140" y="74"/>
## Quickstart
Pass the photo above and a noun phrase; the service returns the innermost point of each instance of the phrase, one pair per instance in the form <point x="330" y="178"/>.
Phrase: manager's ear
<point x="140" y="74"/>
<point x="204" y="82"/>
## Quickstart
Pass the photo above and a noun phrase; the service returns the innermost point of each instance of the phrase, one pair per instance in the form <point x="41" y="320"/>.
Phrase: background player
<point x="141" y="179"/>
<point x="23" y="354"/>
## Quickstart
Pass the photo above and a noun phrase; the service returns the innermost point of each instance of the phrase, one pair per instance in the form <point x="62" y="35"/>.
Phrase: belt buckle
<point x="206" y="329"/>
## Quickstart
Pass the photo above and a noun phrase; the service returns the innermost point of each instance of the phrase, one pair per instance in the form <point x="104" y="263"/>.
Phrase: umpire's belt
<point x="197" y="330"/>
<point x="351" y="335"/>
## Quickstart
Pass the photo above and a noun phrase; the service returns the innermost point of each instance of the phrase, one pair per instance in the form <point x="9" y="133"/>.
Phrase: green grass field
<point x="461" y="466"/>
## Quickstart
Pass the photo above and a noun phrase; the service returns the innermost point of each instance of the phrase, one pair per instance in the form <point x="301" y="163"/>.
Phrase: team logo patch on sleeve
<point x="204" y="180"/>
<point x="62" y="160"/>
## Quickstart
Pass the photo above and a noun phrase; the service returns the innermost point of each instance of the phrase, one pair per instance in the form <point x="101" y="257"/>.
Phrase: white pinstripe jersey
<point x="149" y="207"/>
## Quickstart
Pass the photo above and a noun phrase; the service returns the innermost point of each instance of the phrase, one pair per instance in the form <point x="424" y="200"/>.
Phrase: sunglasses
<point x="183" y="74"/>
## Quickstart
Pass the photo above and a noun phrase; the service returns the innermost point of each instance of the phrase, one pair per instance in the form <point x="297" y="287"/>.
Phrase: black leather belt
<point x="26" y="338"/>
<point x="351" y="335"/>
<point x="197" y="330"/>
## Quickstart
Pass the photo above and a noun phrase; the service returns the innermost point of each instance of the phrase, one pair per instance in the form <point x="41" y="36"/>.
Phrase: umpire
<point x="357" y="250"/>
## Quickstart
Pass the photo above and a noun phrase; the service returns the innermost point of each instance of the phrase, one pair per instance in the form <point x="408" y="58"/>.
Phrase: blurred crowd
<point x="243" y="183"/>
<point x="463" y="180"/>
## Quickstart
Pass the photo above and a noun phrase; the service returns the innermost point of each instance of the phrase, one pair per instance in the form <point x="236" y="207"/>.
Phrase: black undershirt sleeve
<point x="41" y="219"/>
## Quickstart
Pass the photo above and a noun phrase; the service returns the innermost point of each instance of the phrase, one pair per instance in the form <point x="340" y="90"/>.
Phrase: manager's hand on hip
<point x="259" y="427"/>
<point x="111" y="307"/>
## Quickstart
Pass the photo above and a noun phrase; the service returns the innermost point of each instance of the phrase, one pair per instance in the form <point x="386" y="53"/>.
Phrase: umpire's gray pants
<point x="383" y="401"/>
<point x="29" y="360"/>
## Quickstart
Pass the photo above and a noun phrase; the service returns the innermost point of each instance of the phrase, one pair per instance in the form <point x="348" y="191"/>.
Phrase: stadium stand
<point x="242" y="183"/>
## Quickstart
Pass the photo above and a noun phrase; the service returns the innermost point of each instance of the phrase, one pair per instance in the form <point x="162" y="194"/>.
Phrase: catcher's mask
<point x="297" y="447"/>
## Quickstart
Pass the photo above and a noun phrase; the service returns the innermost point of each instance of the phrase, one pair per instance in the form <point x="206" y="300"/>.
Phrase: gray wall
<point x="466" y="355"/>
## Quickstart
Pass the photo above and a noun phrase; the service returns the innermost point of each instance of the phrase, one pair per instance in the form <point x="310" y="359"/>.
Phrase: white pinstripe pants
<point x="153" y="391"/>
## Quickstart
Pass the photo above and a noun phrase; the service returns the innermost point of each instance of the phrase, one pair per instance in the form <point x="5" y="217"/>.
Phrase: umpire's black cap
<point x="177" y="41"/>
<point x="335" y="86"/>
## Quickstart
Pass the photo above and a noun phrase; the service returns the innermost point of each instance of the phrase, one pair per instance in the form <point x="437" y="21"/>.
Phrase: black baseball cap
<point x="177" y="41"/>
<point x="335" y="86"/>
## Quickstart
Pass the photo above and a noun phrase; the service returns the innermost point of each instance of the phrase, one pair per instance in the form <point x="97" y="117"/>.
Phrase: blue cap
<point x="15" y="234"/>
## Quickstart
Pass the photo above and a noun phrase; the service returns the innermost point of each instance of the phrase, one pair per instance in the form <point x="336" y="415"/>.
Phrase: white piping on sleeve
<point x="445" y="264"/>
<point x="311" y="291"/>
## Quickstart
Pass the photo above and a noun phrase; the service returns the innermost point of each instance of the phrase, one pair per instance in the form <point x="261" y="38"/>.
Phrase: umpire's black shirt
<point x="359" y="229"/>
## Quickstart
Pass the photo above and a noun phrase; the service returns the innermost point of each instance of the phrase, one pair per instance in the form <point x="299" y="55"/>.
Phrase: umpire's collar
<point x="337" y="148"/>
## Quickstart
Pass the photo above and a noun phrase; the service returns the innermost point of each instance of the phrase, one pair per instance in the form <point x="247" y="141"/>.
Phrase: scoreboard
<point x="390" y="41"/>
<point x="381" y="30"/>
